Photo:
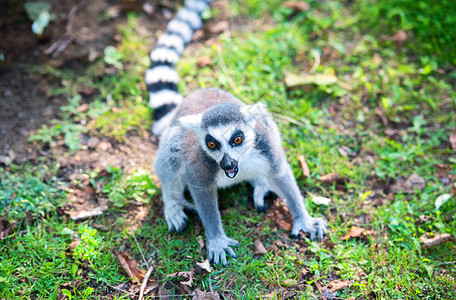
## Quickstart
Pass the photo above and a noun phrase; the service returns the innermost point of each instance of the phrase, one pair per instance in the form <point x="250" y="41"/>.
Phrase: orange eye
<point x="211" y="145"/>
<point x="238" y="139"/>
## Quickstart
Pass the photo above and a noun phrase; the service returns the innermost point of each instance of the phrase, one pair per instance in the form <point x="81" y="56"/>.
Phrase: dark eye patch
<point x="208" y="139"/>
<point x="235" y="135"/>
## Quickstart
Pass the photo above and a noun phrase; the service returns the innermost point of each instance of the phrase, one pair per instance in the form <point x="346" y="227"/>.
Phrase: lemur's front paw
<point x="314" y="226"/>
<point x="176" y="218"/>
<point x="218" y="247"/>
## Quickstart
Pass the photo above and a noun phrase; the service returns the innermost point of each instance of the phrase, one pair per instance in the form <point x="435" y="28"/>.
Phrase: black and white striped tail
<point x="161" y="78"/>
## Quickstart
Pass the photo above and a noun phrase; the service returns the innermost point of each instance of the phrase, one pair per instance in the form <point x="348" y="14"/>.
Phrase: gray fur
<point x="184" y="160"/>
<point x="187" y="127"/>
<point x="222" y="114"/>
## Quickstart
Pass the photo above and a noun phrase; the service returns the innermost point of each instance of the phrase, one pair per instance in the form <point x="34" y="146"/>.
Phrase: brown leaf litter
<point x="81" y="215"/>
<point x="70" y="286"/>
<point x="304" y="166"/>
<point x="188" y="275"/>
<point x="297" y="5"/>
<point x="452" y="140"/>
<point x="73" y="245"/>
<point x="337" y="285"/>
<point x="200" y="295"/>
<point x="429" y="240"/>
<point x="204" y="61"/>
<point x="330" y="178"/>
<point x="203" y="267"/>
<point x="5" y="227"/>
<point x="399" y="37"/>
<point x="130" y="266"/>
<point x="408" y="186"/>
<point x="259" y="248"/>
<point x="423" y="219"/>
<point x="357" y="232"/>
<point x="281" y="215"/>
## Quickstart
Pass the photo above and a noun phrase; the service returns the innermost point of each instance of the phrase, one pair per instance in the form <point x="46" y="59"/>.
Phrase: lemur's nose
<point x="227" y="162"/>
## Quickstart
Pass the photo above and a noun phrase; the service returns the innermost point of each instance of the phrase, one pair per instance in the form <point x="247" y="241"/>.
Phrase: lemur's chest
<point x="250" y="168"/>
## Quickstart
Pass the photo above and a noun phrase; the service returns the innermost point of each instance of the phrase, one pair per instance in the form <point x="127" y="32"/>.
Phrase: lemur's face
<point x="229" y="143"/>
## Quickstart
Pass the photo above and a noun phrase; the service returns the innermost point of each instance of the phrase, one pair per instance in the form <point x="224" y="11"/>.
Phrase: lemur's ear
<point x="191" y="122"/>
<point x="254" y="112"/>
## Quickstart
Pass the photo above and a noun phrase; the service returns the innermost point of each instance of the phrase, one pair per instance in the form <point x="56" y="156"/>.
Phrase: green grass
<point x="408" y="90"/>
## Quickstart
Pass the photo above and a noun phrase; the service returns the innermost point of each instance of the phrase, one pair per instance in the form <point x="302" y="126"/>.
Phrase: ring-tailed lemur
<point x="212" y="140"/>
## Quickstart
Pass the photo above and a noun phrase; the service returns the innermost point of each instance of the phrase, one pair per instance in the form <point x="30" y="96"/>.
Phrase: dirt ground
<point x="25" y="101"/>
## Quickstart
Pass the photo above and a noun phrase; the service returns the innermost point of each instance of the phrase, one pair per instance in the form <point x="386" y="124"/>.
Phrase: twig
<point x="140" y="251"/>
<point x="167" y="296"/>
<point x="67" y="37"/>
<point x="210" y="283"/>
<point x="446" y="263"/>
<point x="144" y="283"/>
<point x="119" y="289"/>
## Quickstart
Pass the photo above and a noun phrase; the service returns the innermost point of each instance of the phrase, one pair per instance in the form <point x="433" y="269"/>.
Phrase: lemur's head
<point x="226" y="133"/>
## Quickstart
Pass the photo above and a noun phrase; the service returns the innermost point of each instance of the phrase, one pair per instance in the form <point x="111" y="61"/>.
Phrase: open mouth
<point x="231" y="173"/>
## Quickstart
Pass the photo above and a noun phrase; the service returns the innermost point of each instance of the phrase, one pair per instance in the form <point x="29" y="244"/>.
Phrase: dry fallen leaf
<point x="200" y="295"/>
<point x="281" y="215"/>
<point x="74" y="285"/>
<point x="376" y="60"/>
<point x="271" y="295"/>
<point x="416" y="182"/>
<point x="104" y="146"/>
<point x="188" y="275"/>
<point x="163" y="293"/>
<point x="295" y="80"/>
<point x="410" y="185"/>
<point x="204" y="61"/>
<point x="279" y="243"/>
<point x="218" y="27"/>
<point x="130" y="266"/>
<point x="80" y="215"/>
<point x="289" y="281"/>
<point x="321" y="200"/>
<point x="74" y="244"/>
<point x="423" y="219"/>
<point x="428" y="240"/>
<point x="5" y="228"/>
<point x="442" y="199"/>
<point x="297" y="5"/>
<point x="337" y="285"/>
<point x="453" y="141"/>
<point x="83" y="107"/>
<point x="304" y="166"/>
<point x="259" y="248"/>
<point x="357" y="232"/>
<point x="200" y="241"/>
<point x="329" y="178"/>
<point x="399" y="37"/>
<point x="342" y="152"/>
<point x="203" y="267"/>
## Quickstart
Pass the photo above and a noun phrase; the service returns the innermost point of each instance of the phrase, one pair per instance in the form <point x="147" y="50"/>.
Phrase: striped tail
<point x="161" y="77"/>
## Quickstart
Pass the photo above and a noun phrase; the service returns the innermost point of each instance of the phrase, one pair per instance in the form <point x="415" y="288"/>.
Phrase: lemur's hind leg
<point x="260" y="189"/>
